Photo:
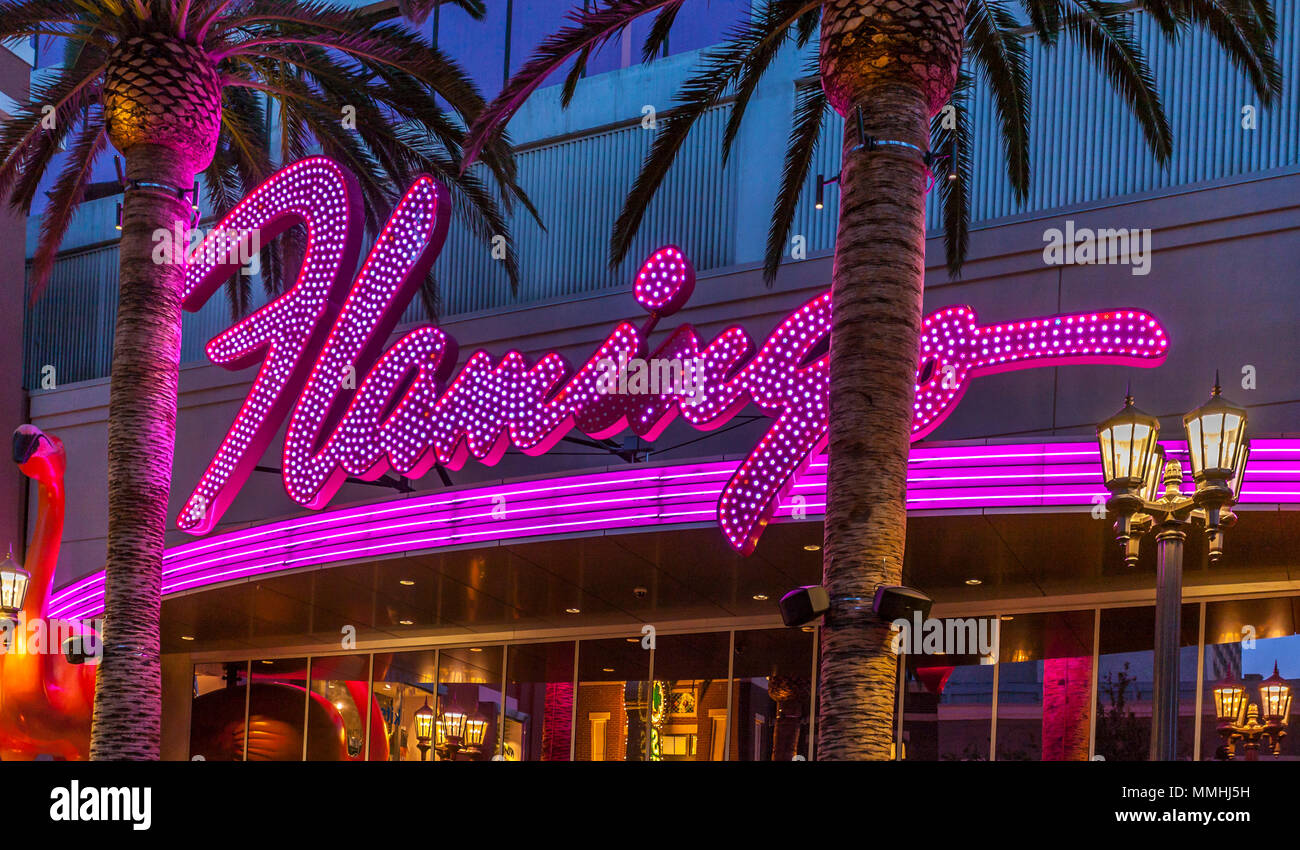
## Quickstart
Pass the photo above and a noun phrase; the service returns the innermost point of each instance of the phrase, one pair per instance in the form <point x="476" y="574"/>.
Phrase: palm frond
<point x="764" y="36"/>
<point x="1045" y="17"/>
<point x="68" y="191"/>
<point x="697" y="95"/>
<point x="28" y="144"/>
<point x="1246" y="31"/>
<point x="657" y="38"/>
<point x="589" y="30"/>
<point x="955" y="143"/>
<point x="809" y="117"/>
<point x="1000" y="53"/>
<point x="1104" y="31"/>
<point x="418" y="11"/>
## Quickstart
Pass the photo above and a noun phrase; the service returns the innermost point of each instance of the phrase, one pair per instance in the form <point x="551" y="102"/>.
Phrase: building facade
<point x="584" y="603"/>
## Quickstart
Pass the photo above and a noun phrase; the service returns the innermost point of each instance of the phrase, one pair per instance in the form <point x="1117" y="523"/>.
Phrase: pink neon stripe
<point x="1049" y="474"/>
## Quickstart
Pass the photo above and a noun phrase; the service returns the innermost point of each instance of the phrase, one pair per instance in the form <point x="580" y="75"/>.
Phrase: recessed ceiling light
<point x="406" y="622"/>
<point x="476" y="649"/>
<point x="807" y="629"/>
<point x="1007" y="617"/>
<point x="760" y="597"/>
<point x="187" y="637"/>
<point x="813" y="547"/>
<point x="268" y="662"/>
<point x="607" y="669"/>
<point x="973" y="581"/>
<point x="406" y="582"/>
<point x="634" y="640"/>
<point x="573" y="610"/>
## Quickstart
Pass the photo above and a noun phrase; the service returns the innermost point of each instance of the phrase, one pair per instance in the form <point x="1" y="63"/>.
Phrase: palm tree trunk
<point x="141" y="436"/>
<point x="898" y="62"/>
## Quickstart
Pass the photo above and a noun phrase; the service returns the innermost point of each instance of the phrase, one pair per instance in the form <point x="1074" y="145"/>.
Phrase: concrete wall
<point x="1223" y="281"/>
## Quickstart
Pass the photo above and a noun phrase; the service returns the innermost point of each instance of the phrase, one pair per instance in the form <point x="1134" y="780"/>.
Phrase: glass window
<point x="1245" y="641"/>
<point x="1045" y="686"/>
<point x="277" y="710"/>
<point x="948" y="691"/>
<point x="468" y="726"/>
<point x="538" y="723"/>
<point x="406" y="693"/>
<point x="772" y="694"/>
<point x="340" y="684"/>
<point x="217" y="713"/>
<point x="1125" y="674"/>
<point x="691" y="672"/>
<point x="614" y="700"/>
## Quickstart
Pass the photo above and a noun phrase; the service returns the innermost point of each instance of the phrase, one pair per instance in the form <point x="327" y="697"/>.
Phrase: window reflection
<point x="1045" y="686"/>
<point x="614" y="700"/>
<point x="341" y="685"/>
<point x="217" y="712"/>
<point x="691" y="673"/>
<point x="538" y="724"/>
<point x="1125" y="677"/>
<point x="277" y="706"/>
<point x="467" y="726"/>
<point x="772" y="694"/>
<point x="948" y="697"/>
<point x="404" y="684"/>
<point x="1244" y="641"/>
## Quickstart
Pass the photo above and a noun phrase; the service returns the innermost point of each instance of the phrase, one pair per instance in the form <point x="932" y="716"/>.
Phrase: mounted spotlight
<point x="804" y="604"/>
<point x="896" y="602"/>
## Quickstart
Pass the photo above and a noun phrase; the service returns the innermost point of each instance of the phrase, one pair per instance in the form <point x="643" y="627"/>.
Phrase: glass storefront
<point x="538" y="718"/>
<point x="1125" y="665"/>
<point x="1066" y="686"/>
<point x="771" y="694"/>
<point x="1045" y="686"/>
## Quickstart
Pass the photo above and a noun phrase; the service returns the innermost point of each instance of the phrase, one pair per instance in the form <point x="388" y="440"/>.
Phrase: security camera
<point x="640" y="592"/>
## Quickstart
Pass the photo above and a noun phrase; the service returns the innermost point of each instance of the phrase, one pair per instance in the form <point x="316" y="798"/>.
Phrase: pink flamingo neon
<point x="45" y="702"/>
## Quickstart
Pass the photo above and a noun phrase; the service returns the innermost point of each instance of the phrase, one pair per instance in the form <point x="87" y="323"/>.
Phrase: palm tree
<point x="890" y="67"/>
<point x="183" y="87"/>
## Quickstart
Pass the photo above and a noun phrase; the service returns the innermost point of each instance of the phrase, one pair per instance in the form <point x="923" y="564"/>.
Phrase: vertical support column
<point x="1170" y="538"/>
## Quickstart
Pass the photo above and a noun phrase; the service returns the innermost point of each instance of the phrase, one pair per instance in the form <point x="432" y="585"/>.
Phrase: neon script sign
<point x="409" y="412"/>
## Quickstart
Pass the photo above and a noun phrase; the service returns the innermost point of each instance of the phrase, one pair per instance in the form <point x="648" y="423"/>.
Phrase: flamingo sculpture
<point x="45" y="702"/>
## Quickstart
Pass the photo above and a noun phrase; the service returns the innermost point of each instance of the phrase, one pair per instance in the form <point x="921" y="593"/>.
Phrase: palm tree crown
<point x="366" y="92"/>
<point x="996" y="55"/>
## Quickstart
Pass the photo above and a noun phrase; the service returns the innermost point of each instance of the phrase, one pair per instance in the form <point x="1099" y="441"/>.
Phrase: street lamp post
<point x="1146" y="497"/>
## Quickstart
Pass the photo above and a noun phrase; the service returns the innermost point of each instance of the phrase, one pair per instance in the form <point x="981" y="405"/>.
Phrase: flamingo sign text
<point x="411" y="410"/>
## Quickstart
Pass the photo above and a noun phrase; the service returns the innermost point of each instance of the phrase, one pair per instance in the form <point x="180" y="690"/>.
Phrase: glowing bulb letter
<point x="310" y="344"/>
<point x="288" y="332"/>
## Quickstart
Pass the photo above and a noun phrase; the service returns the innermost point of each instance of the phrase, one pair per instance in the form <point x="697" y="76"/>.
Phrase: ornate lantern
<point x="1229" y="701"/>
<point x="1128" y="446"/>
<point x="1216" y="439"/>
<point x="1275" y="694"/>
<point x="424" y="718"/>
<point x="13" y="592"/>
